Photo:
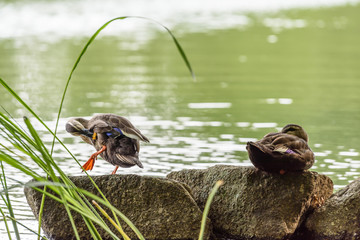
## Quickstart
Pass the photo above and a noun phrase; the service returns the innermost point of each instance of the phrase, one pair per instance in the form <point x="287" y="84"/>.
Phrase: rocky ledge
<point x="254" y="204"/>
<point x="337" y="218"/>
<point x="160" y="208"/>
<point x="251" y="204"/>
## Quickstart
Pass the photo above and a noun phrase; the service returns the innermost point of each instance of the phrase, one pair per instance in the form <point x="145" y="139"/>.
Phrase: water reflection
<point x="279" y="101"/>
<point x="209" y="105"/>
<point x="279" y="24"/>
<point x="260" y="73"/>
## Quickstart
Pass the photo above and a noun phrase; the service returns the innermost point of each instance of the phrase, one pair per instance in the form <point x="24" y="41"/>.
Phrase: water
<point x="258" y="67"/>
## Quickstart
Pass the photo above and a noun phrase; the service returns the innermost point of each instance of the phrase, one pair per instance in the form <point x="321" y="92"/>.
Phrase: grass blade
<point x="117" y="226"/>
<point x="40" y="237"/>
<point x="5" y="222"/>
<point x="42" y="204"/>
<point x="8" y="201"/>
<point x="207" y="208"/>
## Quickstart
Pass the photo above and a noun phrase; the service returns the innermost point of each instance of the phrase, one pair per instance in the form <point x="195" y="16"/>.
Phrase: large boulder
<point x="253" y="204"/>
<point x="338" y="218"/>
<point x="160" y="208"/>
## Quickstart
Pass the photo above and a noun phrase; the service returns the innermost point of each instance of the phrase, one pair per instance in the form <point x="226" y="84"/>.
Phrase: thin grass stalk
<point x="42" y="149"/>
<point x="25" y="169"/>
<point x="41" y="210"/>
<point x="8" y="201"/>
<point x="76" y="205"/>
<point x="207" y="208"/>
<point x="77" y="208"/>
<point x="67" y="209"/>
<point x="12" y="152"/>
<point x="21" y="146"/>
<point x="15" y="136"/>
<point x="5" y="222"/>
<point x="67" y="195"/>
<point x="120" y="214"/>
<point x="38" y="144"/>
<point x="118" y="227"/>
<point x="45" y="156"/>
<point x="13" y="93"/>
<point x="93" y="231"/>
<point x="87" y="212"/>
<point x="87" y="215"/>
<point x="72" y="204"/>
<point x="49" y="161"/>
<point x="29" y="229"/>
<point x="84" y="212"/>
<point x="8" y="124"/>
<point x="19" y="166"/>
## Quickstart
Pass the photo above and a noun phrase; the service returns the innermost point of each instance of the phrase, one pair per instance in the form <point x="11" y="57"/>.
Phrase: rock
<point x="253" y="204"/>
<point x="160" y="208"/>
<point x="338" y="218"/>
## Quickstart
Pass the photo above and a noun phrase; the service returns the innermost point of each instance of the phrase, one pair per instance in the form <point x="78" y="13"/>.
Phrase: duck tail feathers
<point x="128" y="160"/>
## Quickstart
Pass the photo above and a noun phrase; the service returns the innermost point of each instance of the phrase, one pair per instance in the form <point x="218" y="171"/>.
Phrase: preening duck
<point x="114" y="137"/>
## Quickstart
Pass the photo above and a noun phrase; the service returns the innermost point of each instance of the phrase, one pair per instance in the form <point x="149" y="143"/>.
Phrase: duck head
<point x="78" y="127"/>
<point x="295" y="130"/>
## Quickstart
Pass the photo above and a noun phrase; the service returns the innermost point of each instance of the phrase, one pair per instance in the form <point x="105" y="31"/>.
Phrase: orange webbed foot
<point x="282" y="171"/>
<point x="89" y="165"/>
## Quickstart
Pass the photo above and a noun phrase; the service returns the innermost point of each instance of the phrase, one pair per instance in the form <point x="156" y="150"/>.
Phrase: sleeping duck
<point x="114" y="138"/>
<point x="283" y="151"/>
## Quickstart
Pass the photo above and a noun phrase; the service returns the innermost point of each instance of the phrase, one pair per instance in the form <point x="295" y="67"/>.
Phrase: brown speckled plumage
<point x="283" y="151"/>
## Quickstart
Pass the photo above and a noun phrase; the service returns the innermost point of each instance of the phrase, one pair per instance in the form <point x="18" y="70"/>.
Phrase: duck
<point x="114" y="137"/>
<point x="284" y="151"/>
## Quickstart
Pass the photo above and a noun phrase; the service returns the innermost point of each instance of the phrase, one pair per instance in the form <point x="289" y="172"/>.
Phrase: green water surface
<point x="296" y="66"/>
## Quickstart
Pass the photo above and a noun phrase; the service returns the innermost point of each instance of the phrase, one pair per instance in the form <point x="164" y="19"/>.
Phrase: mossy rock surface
<point x="160" y="208"/>
<point x="254" y="204"/>
<point x="338" y="218"/>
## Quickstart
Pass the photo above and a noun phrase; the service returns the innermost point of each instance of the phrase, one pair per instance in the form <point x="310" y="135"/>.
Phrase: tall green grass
<point x="62" y="188"/>
<point x="19" y="144"/>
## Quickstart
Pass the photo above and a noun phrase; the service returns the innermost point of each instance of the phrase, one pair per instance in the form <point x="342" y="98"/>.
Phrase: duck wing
<point x="126" y="127"/>
<point x="99" y="126"/>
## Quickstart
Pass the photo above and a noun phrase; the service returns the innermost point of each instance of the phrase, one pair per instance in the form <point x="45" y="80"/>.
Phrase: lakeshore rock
<point x="338" y="218"/>
<point x="160" y="208"/>
<point x="253" y="204"/>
